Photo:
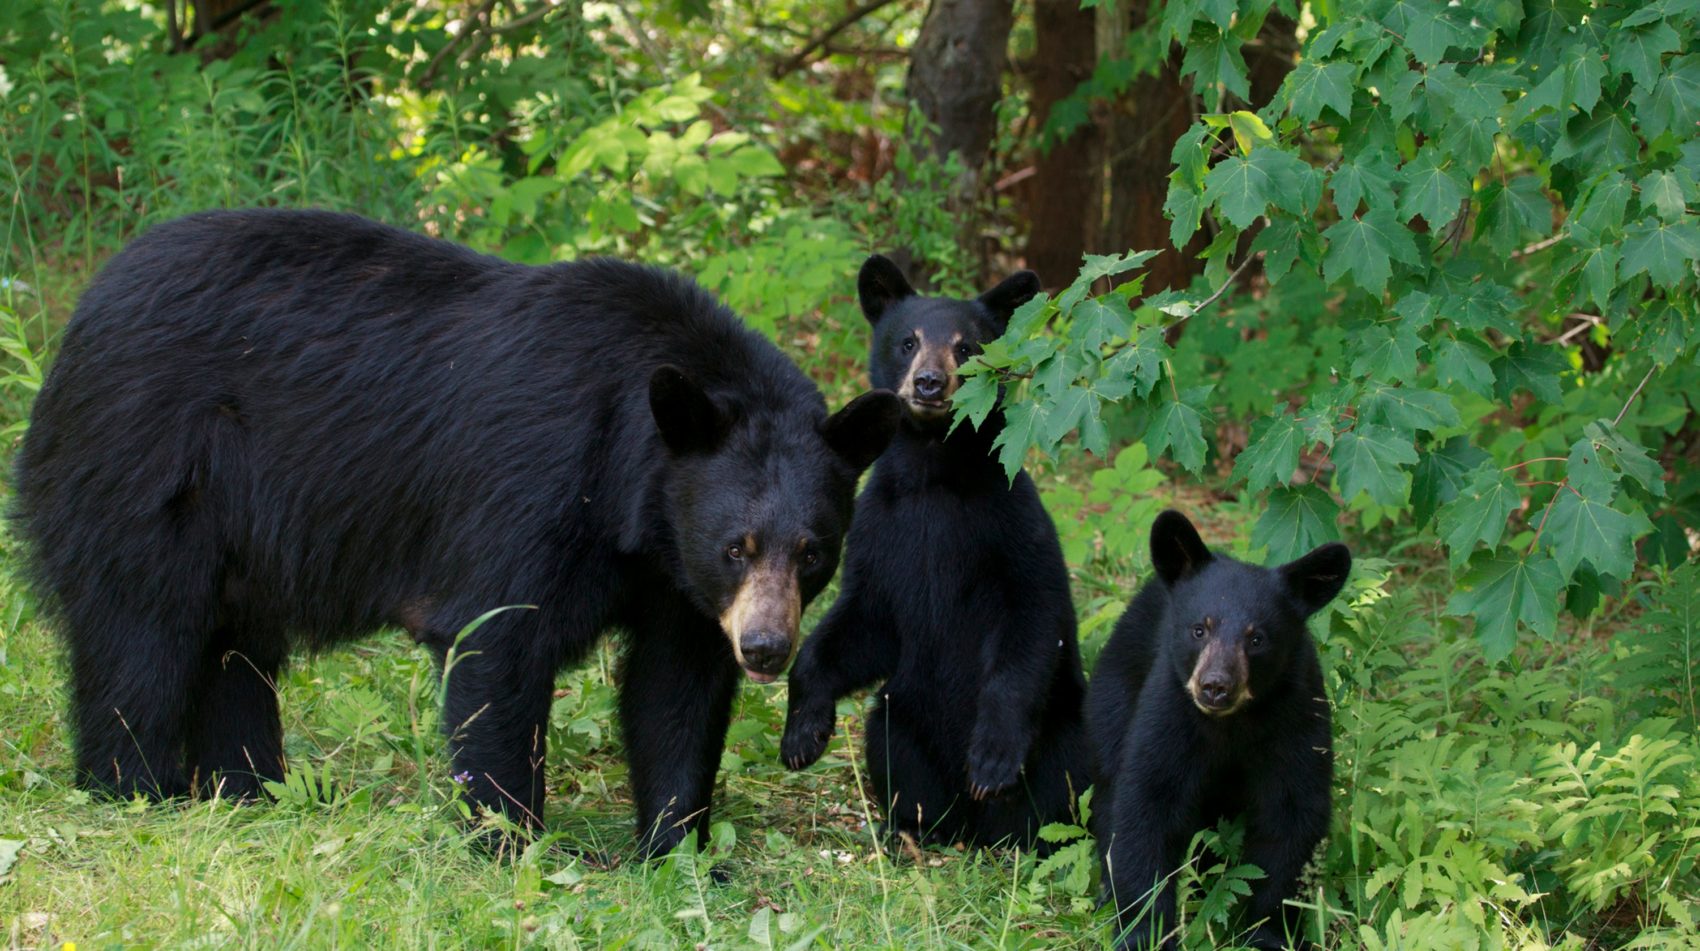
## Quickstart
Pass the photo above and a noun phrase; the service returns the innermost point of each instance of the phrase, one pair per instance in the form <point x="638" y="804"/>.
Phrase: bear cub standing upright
<point x="1208" y="701"/>
<point x="955" y="594"/>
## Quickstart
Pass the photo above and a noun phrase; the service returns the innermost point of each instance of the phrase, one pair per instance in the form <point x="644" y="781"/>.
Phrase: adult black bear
<point x="954" y="593"/>
<point x="1208" y="701"/>
<point x="273" y="428"/>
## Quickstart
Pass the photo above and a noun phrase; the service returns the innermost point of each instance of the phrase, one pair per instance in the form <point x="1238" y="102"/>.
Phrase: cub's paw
<point x="805" y="740"/>
<point x="992" y="768"/>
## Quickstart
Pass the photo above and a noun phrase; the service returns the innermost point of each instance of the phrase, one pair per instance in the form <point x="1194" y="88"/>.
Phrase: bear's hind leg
<point x="130" y="691"/>
<point x="234" y="737"/>
<point x="919" y="797"/>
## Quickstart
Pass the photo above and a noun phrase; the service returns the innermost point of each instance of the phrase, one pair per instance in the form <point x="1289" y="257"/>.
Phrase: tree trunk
<point x="1065" y="196"/>
<point x="1140" y="133"/>
<point x="955" y="79"/>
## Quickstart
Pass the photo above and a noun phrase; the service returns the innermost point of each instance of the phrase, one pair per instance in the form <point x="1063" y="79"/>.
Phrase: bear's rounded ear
<point x="688" y="420"/>
<point x="1176" y="550"/>
<point x="880" y="285"/>
<point x="860" y="431"/>
<point x="1317" y="577"/>
<point x="1015" y="290"/>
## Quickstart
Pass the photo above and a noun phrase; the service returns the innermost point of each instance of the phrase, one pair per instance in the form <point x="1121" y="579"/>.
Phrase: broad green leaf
<point x="1499" y="590"/>
<point x="1406" y="408"/>
<point x="1386" y="352"/>
<point x="1479" y="511"/>
<point x="1586" y="528"/>
<point x="1240" y="189"/>
<point x="1313" y="86"/>
<point x="1021" y="423"/>
<point x="1587" y="474"/>
<point x="1665" y="193"/>
<point x="1534" y="368"/>
<point x="1211" y="60"/>
<point x="1432" y="190"/>
<point x="1674" y="103"/>
<point x="1371" y="459"/>
<point x="1295" y="521"/>
<point x="1178" y="426"/>
<point x="1184" y="207"/>
<point x="1365" y="247"/>
<point x="1365" y="178"/>
<point x="1605" y="139"/>
<point x="1602" y="206"/>
<point x="1598" y="266"/>
<point x="1639" y="51"/>
<point x="1630" y="459"/>
<point x="1271" y="454"/>
<point x="1066" y="412"/>
<point x="1441" y="474"/>
<point x="1663" y="250"/>
<point x="1464" y="363"/>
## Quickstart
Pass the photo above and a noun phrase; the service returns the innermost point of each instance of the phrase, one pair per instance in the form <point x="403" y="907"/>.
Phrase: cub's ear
<point x="879" y="286"/>
<point x="1016" y="289"/>
<point x="1176" y="550"/>
<point x="861" y="430"/>
<point x="689" y="421"/>
<point x="1317" y="577"/>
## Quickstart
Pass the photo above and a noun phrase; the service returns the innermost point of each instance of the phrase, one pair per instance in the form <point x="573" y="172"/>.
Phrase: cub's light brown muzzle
<point x="1220" y="682"/>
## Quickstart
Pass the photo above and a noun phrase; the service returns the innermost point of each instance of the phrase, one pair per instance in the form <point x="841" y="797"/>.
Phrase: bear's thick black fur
<point x="270" y="429"/>
<point x="1208" y="701"/>
<point x="956" y="595"/>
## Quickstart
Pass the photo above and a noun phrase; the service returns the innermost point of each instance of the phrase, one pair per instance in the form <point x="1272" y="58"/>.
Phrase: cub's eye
<point x="1198" y="632"/>
<point x="908" y="344"/>
<point x="735" y="552"/>
<point x="811" y="558"/>
<point x="1257" y="640"/>
<point x="963" y="352"/>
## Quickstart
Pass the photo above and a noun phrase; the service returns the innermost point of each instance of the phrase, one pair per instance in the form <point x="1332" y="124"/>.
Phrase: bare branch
<point x="796" y="60"/>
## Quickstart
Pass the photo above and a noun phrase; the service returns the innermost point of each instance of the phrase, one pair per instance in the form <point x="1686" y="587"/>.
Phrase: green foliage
<point x="1436" y="199"/>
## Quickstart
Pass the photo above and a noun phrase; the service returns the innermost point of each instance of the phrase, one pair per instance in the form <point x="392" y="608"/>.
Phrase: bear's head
<point x="758" y="503"/>
<point x="919" y="342"/>
<point x="1232" y="629"/>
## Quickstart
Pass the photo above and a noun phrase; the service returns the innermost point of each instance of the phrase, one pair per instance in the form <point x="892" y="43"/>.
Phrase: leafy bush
<point x="1448" y="205"/>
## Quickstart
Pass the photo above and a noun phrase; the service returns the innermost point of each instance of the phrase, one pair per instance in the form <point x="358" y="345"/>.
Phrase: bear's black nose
<point x="765" y="652"/>
<point x="1214" y="692"/>
<point x="929" y="384"/>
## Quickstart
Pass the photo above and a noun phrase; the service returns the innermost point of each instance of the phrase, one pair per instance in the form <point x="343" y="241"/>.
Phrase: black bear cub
<point x="955" y="594"/>
<point x="1207" y="702"/>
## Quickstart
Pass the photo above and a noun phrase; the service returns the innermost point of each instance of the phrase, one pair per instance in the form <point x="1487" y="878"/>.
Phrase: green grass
<point x="1454" y="786"/>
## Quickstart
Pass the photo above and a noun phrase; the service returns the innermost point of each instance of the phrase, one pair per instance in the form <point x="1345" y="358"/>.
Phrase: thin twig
<point x="469" y="27"/>
<point x="1629" y="402"/>
<point x="1539" y="246"/>
<point x="1213" y="298"/>
<point x="797" y="59"/>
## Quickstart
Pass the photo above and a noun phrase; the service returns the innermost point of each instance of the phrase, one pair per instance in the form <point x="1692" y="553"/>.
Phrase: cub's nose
<point x="765" y="652"/>
<point x="1214" y="692"/>
<point x="929" y="384"/>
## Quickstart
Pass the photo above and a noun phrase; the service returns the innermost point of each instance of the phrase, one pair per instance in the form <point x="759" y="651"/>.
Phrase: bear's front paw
<point x="805" y="740"/>
<point x="992" y="769"/>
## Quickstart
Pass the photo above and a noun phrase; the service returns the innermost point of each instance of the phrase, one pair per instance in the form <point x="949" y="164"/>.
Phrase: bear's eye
<point x="908" y="344"/>
<point x="735" y="552"/>
<point x="1198" y="632"/>
<point x="963" y="352"/>
<point x="1257" y="640"/>
<point x="811" y="558"/>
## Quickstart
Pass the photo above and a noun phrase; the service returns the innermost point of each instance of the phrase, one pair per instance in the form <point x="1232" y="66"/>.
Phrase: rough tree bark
<point x="955" y="78"/>
<point x="1065" y="196"/>
<point x="1139" y="134"/>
